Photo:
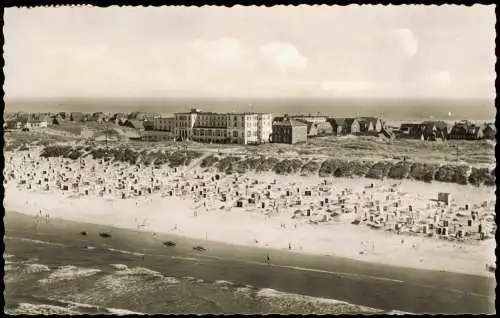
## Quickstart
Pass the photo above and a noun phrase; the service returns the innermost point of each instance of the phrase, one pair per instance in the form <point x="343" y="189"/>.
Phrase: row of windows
<point x="202" y="132"/>
<point x="223" y="133"/>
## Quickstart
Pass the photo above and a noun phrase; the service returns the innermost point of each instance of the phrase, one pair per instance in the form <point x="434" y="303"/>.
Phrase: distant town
<point x="253" y="128"/>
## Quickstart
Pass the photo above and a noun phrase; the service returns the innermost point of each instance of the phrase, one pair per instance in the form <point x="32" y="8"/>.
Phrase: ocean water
<point x="388" y="109"/>
<point x="52" y="269"/>
<point x="109" y="288"/>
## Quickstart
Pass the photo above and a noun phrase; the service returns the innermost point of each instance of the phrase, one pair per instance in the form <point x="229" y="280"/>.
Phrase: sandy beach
<point x="187" y="202"/>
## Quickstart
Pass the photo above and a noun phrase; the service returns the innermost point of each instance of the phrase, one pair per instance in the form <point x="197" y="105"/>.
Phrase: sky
<point x="240" y="52"/>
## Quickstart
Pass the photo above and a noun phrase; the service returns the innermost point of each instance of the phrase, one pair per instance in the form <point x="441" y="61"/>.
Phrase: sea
<point x="388" y="109"/>
<point x="63" y="267"/>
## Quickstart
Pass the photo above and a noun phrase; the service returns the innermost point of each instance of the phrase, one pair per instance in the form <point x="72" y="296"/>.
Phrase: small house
<point x="13" y="124"/>
<point x="98" y="117"/>
<point x="465" y="130"/>
<point x="78" y="117"/>
<point x="137" y="124"/>
<point x="433" y="130"/>
<point x="57" y="120"/>
<point x="489" y="131"/>
<point x="345" y="126"/>
<point x="288" y="131"/>
<point x="411" y="131"/>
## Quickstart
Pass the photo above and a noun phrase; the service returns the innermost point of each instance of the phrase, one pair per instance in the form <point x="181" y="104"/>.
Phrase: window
<point x="235" y="134"/>
<point x="235" y="124"/>
<point x="249" y="133"/>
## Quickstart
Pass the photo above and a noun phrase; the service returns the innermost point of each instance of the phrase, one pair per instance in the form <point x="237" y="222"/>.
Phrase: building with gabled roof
<point x="345" y="126"/>
<point x="288" y="131"/>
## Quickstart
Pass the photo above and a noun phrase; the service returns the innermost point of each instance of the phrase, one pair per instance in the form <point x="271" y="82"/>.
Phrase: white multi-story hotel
<point x="237" y="128"/>
<point x="184" y="123"/>
<point x="265" y="127"/>
<point x="210" y="127"/>
<point x="166" y="124"/>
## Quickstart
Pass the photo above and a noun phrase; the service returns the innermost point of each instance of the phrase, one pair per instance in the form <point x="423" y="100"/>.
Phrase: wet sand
<point x="362" y="283"/>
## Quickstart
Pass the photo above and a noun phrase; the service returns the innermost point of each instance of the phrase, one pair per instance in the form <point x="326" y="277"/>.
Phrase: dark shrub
<point x="359" y="168"/>
<point x="226" y="163"/>
<point x="491" y="180"/>
<point x="478" y="176"/>
<point x="379" y="170"/>
<point x="400" y="170"/>
<point x="452" y="173"/>
<point x="55" y="151"/>
<point x="208" y="161"/>
<point x="177" y="158"/>
<point x="287" y="166"/>
<point x="310" y="167"/>
<point x="252" y="163"/>
<point x="267" y="164"/>
<point x="423" y="172"/>
<point x="327" y="168"/>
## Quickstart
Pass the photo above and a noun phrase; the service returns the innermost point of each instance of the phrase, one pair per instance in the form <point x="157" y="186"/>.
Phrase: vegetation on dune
<point x="252" y="163"/>
<point x="338" y="167"/>
<point x="56" y="151"/>
<point x="400" y="170"/>
<point x="288" y="166"/>
<point x="359" y="168"/>
<point x="327" y="168"/>
<point x="208" y="161"/>
<point x="227" y="164"/>
<point x="491" y="181"/>
<point x="379" y="170"/>
<point x="310" y="168"/>
<point x="344" y="168"/>
<point x="124" y="154"/>
<point x="423" y="171"/>
<point x="480" y="176"/>
<point x="453" y="174"/>
<point x="267" y="164"/>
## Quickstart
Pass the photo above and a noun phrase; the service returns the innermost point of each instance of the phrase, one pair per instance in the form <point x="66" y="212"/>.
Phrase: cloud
<point x="407" y="41"/>
<point x="346" y="86"/>
<point x="220" y="51"/>
<point x="439" y="77"/>
<point x="283" y="56"/>
<point x="254" y="51"/>
<point x="77" y="52"/>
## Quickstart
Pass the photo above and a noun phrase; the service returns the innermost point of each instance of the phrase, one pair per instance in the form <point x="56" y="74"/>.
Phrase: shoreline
<point x="123" y="240"/>
<point x="295" y="270"/>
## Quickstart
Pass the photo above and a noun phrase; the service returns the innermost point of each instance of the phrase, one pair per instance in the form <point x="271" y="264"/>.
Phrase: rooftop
<point x="289" y="122"/>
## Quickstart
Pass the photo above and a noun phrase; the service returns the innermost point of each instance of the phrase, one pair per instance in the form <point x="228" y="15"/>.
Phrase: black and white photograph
<point x="310" y="159"/>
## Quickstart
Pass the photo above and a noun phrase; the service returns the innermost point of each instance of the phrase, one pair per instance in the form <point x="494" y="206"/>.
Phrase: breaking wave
<point x="125" y="252"/>
<point x="296" y="303"/>
<point x="62" y="307"/>
<point x="69" y="272"/>
<point x="33" y="241"/>
<point x="41" y="309"/>
<point x="22" y="271"/>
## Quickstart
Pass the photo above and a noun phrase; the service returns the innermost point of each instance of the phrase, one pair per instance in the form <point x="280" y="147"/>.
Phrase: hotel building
<point x="236" y="128"/>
